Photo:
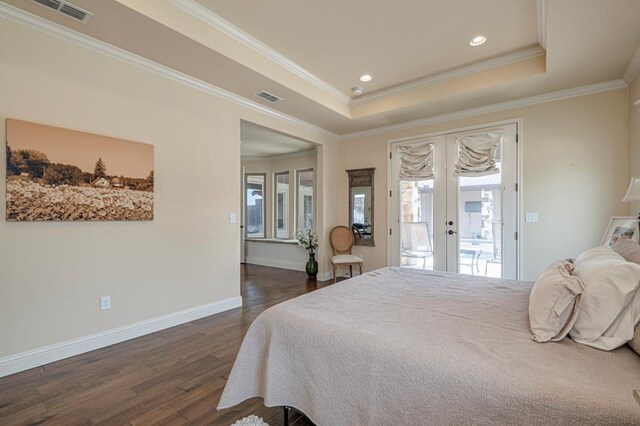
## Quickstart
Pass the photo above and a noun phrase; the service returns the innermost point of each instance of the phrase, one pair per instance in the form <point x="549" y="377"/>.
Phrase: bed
<point x="409" y="347"/>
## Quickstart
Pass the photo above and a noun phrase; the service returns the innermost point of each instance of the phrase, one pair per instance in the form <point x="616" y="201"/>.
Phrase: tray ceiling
<point x="311" y="53"/>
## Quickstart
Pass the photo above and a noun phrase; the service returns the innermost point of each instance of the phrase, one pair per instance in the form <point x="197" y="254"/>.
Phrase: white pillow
<point x="609" y="303"/>
<point x="554" y="302"/>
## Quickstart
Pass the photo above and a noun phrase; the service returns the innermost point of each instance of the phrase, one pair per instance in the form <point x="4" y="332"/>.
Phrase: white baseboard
<point x="325" y="276"/>
<point x="37" y="357"/>
<point x="275" y="263"/>
<point x="285" y="264"/>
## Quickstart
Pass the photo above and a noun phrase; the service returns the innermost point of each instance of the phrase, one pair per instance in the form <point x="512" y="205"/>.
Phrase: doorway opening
<point x="278" y="196"/>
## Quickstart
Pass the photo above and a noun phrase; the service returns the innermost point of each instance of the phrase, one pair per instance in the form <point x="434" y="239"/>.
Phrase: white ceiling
<point x="311" y="53"/>
<point x="395" y="41"/>
<point x="258" y="141"/>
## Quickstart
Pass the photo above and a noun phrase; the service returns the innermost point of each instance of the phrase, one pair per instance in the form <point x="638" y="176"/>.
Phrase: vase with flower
<point x="308" y="240"/>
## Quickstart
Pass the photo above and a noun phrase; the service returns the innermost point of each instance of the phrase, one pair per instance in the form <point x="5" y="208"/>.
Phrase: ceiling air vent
<point x="53" y="4"/>
<point x="74" y="12"/>
<point x="268" y="96"/>
<point x="67" y="9"/>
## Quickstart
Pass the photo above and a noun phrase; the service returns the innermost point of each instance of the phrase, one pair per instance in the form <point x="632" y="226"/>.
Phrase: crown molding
<point x="633" y="67"/>
<point x="488" y="64"/>
<point x="276" y="157"/>
<point x="206" y="15"/>
<point x="542" y="23"/>
<point x="502" y="106"/>
<point x="33" y="21"/>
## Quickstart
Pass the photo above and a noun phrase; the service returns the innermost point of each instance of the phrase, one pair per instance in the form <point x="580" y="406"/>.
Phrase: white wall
<point x="52" y="274"/>
<point x="575" y="170"/>
<point x="276" y="254"/>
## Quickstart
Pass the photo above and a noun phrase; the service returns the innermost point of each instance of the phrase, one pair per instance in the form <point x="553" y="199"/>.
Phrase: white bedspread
<point x="406" y="347"/>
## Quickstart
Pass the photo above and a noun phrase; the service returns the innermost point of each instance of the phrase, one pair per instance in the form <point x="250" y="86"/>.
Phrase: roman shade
<point x="478" y="154"/>
<point x="416" y="162"/>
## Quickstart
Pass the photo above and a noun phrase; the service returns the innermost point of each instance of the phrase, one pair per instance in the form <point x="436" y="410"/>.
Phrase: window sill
<point x="273" y="241"/>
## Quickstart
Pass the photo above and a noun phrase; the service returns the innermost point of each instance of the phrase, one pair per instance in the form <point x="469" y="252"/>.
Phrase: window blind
<point x="478" y="154"/>
<point x="416" y="162"/>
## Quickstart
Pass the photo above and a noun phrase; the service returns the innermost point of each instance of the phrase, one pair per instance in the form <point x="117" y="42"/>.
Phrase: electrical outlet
<point x="105" y="303"/>
<point x="232" y="218"/>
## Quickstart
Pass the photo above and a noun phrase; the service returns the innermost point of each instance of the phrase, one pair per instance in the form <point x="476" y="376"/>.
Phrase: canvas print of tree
<point x="66" y="175"/>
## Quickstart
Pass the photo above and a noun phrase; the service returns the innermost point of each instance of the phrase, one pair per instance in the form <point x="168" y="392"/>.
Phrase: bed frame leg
<point x="285" y="416"/>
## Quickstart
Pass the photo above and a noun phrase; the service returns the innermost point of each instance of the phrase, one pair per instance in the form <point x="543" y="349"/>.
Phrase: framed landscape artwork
<point x="620" y="227"/>
<point x="56" y="174"/>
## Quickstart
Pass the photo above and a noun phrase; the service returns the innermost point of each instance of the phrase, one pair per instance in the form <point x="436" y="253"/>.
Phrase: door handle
<point x="451" y="232"/>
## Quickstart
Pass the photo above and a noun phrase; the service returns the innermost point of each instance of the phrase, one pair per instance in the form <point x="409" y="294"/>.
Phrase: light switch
<point x="232" y="218"/>
<point x="531" y="217"/>
<point x="105" y="303"/>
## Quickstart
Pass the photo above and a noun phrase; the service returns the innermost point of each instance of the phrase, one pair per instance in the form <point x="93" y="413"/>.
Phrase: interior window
<point x="282" y="205"/>
<point x="304" y="205"/>
<point x="254" y="205"/>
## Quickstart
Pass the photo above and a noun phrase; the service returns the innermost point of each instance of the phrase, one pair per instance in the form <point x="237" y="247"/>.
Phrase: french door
<point x="462" y="215"/>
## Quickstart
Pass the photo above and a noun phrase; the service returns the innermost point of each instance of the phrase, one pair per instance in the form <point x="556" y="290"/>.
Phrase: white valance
<point x="416" y="162"/>
<point x="478" y="154"/>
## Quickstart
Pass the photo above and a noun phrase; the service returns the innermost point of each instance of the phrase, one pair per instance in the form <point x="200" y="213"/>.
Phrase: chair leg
<point x="360" y="264"/>
<point x="334" y="274"/>
<point x="351" y="271"/>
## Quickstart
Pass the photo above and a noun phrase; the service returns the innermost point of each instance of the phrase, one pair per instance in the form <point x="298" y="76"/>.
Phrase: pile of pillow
<point x="594" y="299"/>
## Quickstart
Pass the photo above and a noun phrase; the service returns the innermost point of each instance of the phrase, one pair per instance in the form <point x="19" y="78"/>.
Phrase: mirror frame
<point x="362" y="178"/>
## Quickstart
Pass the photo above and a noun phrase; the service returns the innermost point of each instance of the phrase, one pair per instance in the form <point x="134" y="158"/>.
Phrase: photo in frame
<point x="620" y="227"/>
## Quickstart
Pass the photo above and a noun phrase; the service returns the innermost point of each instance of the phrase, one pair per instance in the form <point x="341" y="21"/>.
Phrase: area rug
<point x="250" y="421"/>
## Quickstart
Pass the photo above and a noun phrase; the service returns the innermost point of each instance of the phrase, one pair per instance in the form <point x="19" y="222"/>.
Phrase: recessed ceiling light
<point x="477" y="40"/>
<point x="366" y="77"/>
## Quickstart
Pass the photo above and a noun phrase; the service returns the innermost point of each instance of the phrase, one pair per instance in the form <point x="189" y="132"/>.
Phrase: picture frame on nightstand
<point x="620" y="227"/>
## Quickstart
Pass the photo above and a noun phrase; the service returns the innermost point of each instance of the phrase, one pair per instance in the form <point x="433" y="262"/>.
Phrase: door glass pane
<point x="416" y="224"/>
<point x="282" y="205"/>
<point x="254" y="211"/>
<point x="480" y="225"/>
<point x="305" y="199"/>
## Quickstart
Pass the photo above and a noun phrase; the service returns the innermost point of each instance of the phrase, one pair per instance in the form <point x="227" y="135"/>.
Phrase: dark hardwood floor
<point x="174" y="376"/>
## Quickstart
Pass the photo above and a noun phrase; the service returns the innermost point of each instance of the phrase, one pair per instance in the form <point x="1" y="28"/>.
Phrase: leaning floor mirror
<point x="361" y="205"/>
